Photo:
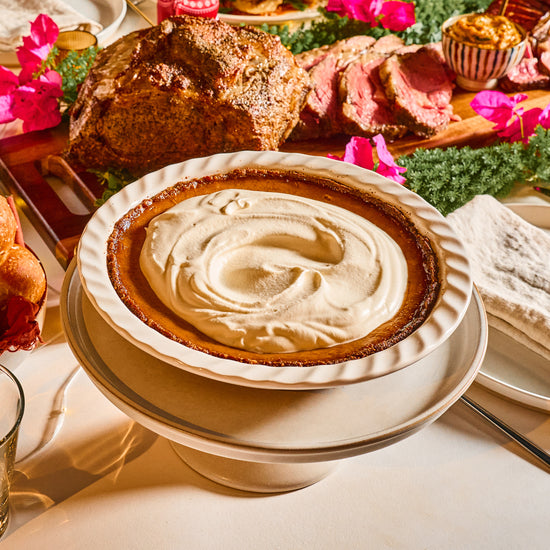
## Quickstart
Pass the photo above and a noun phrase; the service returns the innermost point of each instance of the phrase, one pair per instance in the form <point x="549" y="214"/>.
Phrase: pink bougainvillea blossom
<point x="37" y="102"/>
<point x="36" y="46"/>
<point x="33" y="97"/>
<point x="497" y="106"/>
<point x="386" y="166"/>
<point x="512" y="123"/>
<point x="393" y="14"/>
<point x="359" y="151"/>
<point x="8" y="84"/>
<point x="397" y="16"/>
<point x="521" y="128"/>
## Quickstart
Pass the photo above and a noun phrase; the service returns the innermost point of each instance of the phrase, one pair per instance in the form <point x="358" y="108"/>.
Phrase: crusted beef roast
<point x="186" y="88"/>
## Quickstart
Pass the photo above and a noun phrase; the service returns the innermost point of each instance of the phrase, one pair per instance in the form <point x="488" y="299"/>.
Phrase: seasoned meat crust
<point x="188" y="87"/>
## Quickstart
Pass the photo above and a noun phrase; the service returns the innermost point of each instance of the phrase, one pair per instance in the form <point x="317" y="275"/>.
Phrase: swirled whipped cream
<point x="273" y="272"/>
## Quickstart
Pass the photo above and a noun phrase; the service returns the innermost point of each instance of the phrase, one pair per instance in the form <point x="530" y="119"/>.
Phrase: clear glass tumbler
<point x="12" y="405"/>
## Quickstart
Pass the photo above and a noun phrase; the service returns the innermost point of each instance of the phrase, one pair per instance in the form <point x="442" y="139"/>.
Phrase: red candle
<point x="202" y="8"/>
<point x="165" y="8"/>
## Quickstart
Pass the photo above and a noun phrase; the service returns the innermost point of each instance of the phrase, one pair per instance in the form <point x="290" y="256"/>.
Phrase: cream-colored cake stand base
<point x="259" y="477"/>
<point x="265" y="440"/>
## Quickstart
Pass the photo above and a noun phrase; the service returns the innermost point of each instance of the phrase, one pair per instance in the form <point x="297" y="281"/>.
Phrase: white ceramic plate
<point x="109" y="13"/>
<point x="443" y="320"/>
<point x="268" y="425"/>
<point x="510" y="369"/>
<point x="295" y="16"/>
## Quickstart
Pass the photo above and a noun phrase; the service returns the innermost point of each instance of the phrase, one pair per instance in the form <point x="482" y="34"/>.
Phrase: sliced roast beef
<point x="388" y="44"/>
<point x="349" y="46"/>
<point x="365" y="107"/>
<point x="320" y="115"/>
<point x="419" y="88"/>
<point x="529" y="74"/>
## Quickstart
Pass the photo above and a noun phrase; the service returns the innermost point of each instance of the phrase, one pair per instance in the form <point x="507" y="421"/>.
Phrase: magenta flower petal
<point x="387" y="166"/>
<point x="397" y="16"/>
<point x="544" y="118"/>
<point x="521" y="128"/>
<point x="362" y="10"/>
<point x="37" y="46"/>
<point x="8" y="84"/>
<point x="37" y="104"/>
<point x="358" y="151"/>
<point x="494" y="106"/>
<point x="44" y="30"/>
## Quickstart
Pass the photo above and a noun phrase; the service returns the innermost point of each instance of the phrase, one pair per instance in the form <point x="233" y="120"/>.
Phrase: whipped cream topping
<point x="272" y="272"/>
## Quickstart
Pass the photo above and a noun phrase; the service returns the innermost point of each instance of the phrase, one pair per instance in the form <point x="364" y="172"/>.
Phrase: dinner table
<point x="92" y="474"/>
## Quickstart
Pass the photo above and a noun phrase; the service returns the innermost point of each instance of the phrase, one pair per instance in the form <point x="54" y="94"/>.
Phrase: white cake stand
<point x="267" y="440"/>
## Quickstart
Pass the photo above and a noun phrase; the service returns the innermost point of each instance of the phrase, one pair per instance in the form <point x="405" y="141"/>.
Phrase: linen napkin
<point x="510" y="260"/>
<point x="17" y="15"/>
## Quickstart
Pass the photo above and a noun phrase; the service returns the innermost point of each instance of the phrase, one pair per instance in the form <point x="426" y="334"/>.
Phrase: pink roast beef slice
<point x="419" y="88"/>
<point x="527" y="75"/>
<point x="320" y="115"/>
<point x="365" y="107"/>
<point x="355" y="44"/>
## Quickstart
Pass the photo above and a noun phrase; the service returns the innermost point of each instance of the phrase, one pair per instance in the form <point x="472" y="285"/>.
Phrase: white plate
<point x="268" y="425"/>
<point x="442" y="321"/>
<point x="109" y="13"/>
<point x="295" y="16"/>
<point x="510" y="369"/>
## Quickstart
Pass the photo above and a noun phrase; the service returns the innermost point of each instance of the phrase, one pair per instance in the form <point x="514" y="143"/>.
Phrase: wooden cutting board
<point x="29" y="161"/>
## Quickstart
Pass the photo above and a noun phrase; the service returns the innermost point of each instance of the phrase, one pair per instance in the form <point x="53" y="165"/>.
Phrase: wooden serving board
<point x="27" y="162"/>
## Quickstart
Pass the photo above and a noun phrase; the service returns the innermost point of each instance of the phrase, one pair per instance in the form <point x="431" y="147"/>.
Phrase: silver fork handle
<point x="526" y="443"/>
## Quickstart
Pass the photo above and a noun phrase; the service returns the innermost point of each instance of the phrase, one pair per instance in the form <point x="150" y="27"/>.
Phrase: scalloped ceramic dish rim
<point x="446" y="315"/>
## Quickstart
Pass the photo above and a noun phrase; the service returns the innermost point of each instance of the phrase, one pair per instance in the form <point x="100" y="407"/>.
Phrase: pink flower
<point x="522" y="127"/>
<point x="386" y="166"/>
<point x="36" y="46"/>
<point x="393" y="15"/>
<point x="397" y="16"/>
<point x="512" y="123"/>
<point x="37" y="102"/>
<point x="8" y="84"/>
<point x="362" y="10"/>
<point x="544" y="118"/>
<point x="359" y="152"/>
<point x="497" y="107"/>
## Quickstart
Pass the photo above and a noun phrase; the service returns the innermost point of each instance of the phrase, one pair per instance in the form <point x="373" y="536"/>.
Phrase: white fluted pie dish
<point x="449" y="309"/>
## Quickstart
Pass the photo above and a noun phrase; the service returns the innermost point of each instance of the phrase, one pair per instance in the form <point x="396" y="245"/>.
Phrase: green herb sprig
<point x="73" y="68"/>
<point x="449" y="178"/>
<point x="113" y="179"/>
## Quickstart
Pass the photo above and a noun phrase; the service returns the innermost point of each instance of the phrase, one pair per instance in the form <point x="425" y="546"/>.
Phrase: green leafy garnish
<point x="73" y="69"/>
<point x="113" y="179"/>
<point x="430" y="14"/>
<point x="449" y="178"/>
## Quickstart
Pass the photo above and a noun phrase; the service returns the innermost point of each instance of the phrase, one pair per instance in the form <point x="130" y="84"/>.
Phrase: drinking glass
<point x="12" y="405"/>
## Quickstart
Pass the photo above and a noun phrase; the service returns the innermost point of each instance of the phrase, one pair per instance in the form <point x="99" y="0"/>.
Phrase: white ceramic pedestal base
<point x="258" y="477"/>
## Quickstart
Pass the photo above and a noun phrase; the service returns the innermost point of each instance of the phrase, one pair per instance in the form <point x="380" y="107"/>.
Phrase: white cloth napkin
<point x="16" y="17"/>
<point x="511" y="268"/>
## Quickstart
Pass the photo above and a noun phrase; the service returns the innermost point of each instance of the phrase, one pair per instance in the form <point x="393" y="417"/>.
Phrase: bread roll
<point x="21" y="273"/>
